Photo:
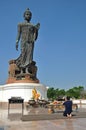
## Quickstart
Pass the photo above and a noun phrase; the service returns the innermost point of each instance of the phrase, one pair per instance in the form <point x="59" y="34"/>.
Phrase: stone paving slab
<point x="13" y="121"/>
<point x="52" y="116"/>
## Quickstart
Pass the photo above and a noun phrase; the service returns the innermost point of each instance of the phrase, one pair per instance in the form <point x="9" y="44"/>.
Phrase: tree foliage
<point x="75" y="92"/>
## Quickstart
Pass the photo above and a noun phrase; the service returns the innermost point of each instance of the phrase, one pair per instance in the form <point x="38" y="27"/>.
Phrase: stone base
<point x="23" y="90"/>
<point x="18" y="75"/>
<point x="11" y="80"/>
<point x="25" y="79"/>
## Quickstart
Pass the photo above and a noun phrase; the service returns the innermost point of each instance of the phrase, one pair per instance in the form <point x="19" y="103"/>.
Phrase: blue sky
<point x="60" y="50"/>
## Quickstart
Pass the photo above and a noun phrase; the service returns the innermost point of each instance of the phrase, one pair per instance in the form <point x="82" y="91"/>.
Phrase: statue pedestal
<point x="22" y="78"/>
<point x="23" y="90"/>
<point x="21" y="84"/>
<point x="15" y="75"/>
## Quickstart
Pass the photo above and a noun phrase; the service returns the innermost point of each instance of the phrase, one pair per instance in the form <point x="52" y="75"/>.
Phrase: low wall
<point x="79" y="101"/>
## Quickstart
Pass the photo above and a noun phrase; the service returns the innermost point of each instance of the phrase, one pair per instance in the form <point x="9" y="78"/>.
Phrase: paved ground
<point x="12" y="121"/>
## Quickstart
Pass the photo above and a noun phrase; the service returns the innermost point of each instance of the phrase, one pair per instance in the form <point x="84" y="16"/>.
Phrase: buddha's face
<point x="27" y="16"/>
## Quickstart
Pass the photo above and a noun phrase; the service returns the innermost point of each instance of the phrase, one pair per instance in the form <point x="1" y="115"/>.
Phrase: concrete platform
<point x="53" y="116"/>
<point x="41" y="113"/>
<point x="13" y="121"/>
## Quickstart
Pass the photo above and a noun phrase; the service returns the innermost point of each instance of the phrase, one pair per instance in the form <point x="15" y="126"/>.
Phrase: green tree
<point x="61" y="93"/>
<point x="51" y="93"/>
<point x="83" y="94"/>
<point x="54" y="93"/>
<point x="75" y="92"/>
<point x="70" y="93"/>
